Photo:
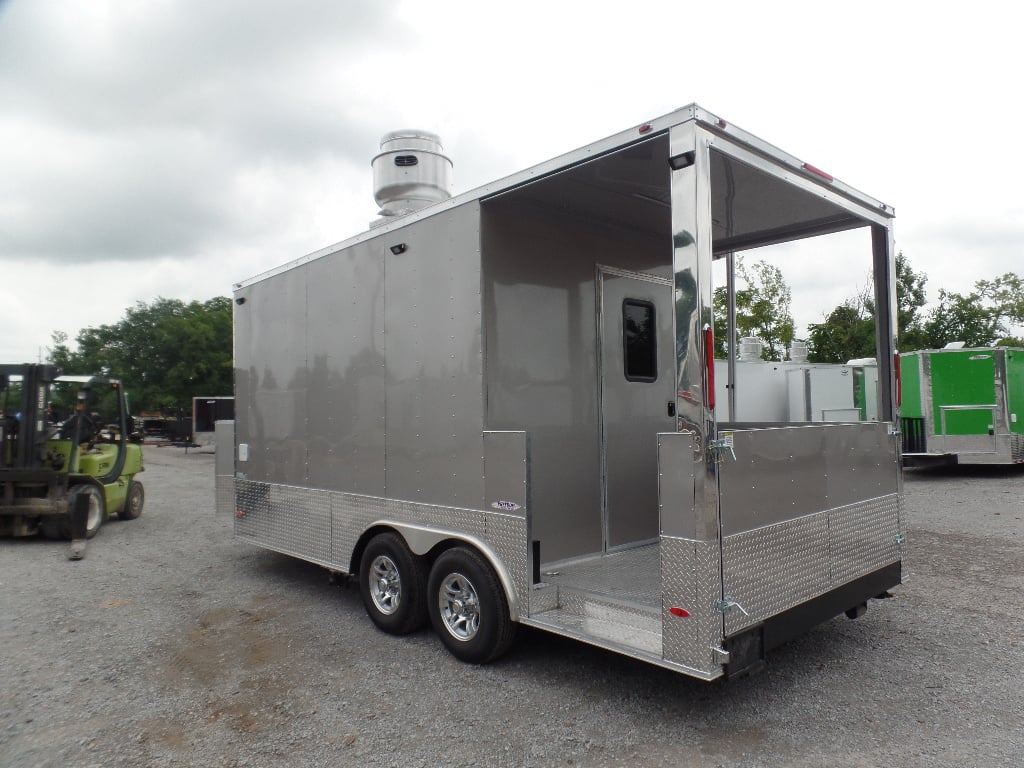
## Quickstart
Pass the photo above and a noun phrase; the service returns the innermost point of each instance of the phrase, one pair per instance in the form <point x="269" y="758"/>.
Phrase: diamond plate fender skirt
<point x="325" y="527"/>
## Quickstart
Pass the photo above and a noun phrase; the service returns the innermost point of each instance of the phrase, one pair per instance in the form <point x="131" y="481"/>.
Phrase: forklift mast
<point x="23" y="428"/>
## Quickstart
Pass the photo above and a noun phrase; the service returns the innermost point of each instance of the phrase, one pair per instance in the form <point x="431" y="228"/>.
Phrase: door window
<point x="640" y="345"/>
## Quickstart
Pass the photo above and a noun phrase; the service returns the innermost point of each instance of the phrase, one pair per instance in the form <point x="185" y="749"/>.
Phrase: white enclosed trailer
<point x="499" y="409"/>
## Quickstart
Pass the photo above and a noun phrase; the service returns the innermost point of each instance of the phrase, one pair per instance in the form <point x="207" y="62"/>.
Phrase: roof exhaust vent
<point x="798" y="351"/>
<point x="410" y="173"/>
<point x="750" y="349"/>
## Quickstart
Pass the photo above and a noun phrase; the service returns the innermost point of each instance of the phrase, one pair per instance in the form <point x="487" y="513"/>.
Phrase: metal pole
<point x="730" y="283"/>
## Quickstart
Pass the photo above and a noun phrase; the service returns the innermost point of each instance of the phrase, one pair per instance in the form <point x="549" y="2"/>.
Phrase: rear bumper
<point x="747" y="649"/>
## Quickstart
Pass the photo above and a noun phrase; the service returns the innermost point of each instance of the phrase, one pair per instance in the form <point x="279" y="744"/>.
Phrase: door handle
<point x="671" y="407"/>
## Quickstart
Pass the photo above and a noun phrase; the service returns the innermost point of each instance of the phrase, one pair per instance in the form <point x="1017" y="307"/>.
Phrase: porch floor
<point x="612" y="599"/>
<point x="629" y="576"/>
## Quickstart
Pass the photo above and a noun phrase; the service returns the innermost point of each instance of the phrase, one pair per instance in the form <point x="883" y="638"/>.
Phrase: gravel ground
<point x="171" y="644"/>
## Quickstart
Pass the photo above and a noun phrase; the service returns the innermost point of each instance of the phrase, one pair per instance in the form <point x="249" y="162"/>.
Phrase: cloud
<point x="130" y="130"/>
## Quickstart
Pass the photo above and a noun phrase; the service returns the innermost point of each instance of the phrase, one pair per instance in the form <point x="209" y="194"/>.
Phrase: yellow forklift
<point x="53" y="463"/>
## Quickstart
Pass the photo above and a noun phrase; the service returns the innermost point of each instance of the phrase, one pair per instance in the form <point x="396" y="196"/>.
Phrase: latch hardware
<point x="726" y="604"/>
<point x="723" y="444"/>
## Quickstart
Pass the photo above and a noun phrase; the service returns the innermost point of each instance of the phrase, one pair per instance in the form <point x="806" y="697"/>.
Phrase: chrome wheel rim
<point x="460" y="607"/>
<point x="135" y="502"/>
<point x="385" y="584"/>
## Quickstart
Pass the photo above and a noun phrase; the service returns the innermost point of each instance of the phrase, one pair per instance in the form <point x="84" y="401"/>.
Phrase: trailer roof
<point x="636" y="134"/>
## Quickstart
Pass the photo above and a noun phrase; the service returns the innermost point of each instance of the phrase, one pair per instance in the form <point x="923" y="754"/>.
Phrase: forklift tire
<point x="393" y="585"/>
<point x="468" y="608"/>
<point x="97" y="509"/>
<point x="133" y="501"/>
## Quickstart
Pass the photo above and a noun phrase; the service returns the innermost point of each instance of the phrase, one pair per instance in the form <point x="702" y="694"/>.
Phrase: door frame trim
<point x="601" y="272"/>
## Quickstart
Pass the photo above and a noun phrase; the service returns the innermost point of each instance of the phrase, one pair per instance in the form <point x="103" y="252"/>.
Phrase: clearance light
<point x="681" y="613"/>
<point x="645" y="128"/>
<point x="817" y="172"/>
<point x="709" y="365"/>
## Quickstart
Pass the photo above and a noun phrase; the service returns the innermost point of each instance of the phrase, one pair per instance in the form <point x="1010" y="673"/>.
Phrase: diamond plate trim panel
<point x="622" y="625"/>
<point x="543" y="598"/>
<point x="628" y="575"/>
<point x="250" y="501"/>
<point x="507" y="536"/>
<point x="224" y="490"/>
<point x="772" y="569"/>
<point x="1016" y="448"/>
<point x="324" y="526"/>
<point x="691" y="580"/>
<point x="768" y="570"/>
<point x="296" y="521"/>
<point x="864" y="537"/>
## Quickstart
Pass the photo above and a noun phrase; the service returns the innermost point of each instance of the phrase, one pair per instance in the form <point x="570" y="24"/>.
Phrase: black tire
<point x="97" y="509"/>
<point x="393" y="585"/>
<point x="134" y="500"/>
<point x="468" y="607"/>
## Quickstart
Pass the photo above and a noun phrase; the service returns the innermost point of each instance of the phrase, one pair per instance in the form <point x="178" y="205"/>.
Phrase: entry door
<point x="637" y="400"/>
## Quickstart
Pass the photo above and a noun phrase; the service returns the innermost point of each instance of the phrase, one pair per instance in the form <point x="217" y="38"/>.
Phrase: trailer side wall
<point x="334" y="400"/>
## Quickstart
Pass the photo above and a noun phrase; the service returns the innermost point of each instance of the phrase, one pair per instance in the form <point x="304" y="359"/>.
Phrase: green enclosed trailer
<point x="963" y="406"/>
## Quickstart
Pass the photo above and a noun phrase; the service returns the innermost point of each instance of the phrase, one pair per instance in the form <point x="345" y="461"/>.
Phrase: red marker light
<point x="899" y="379"/>
<point x="709" y="365"/>
<point x="645" y="128"/>
<point x="818" y="172"/>
<point x="681" y="613"/>
<point x="722" y="124"/>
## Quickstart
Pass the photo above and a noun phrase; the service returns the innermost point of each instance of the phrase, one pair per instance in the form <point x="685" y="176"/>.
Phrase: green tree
<point x="848" y="331"/>
<point x="166" y="352"/>
<point x="980" y="318"/>
<point x="910" y="301"/>
<point x="962" y="318"/>
<point x="763" y="309"/>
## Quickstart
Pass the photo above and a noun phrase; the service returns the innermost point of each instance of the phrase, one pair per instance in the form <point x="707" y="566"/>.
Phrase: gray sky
<point x="174" y="147"/>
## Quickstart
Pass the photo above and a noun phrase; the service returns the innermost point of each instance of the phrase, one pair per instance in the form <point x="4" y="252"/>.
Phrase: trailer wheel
<point x="393" y="582"/>
<point x="133" y="502"/>
<point x="468" y="607"/>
